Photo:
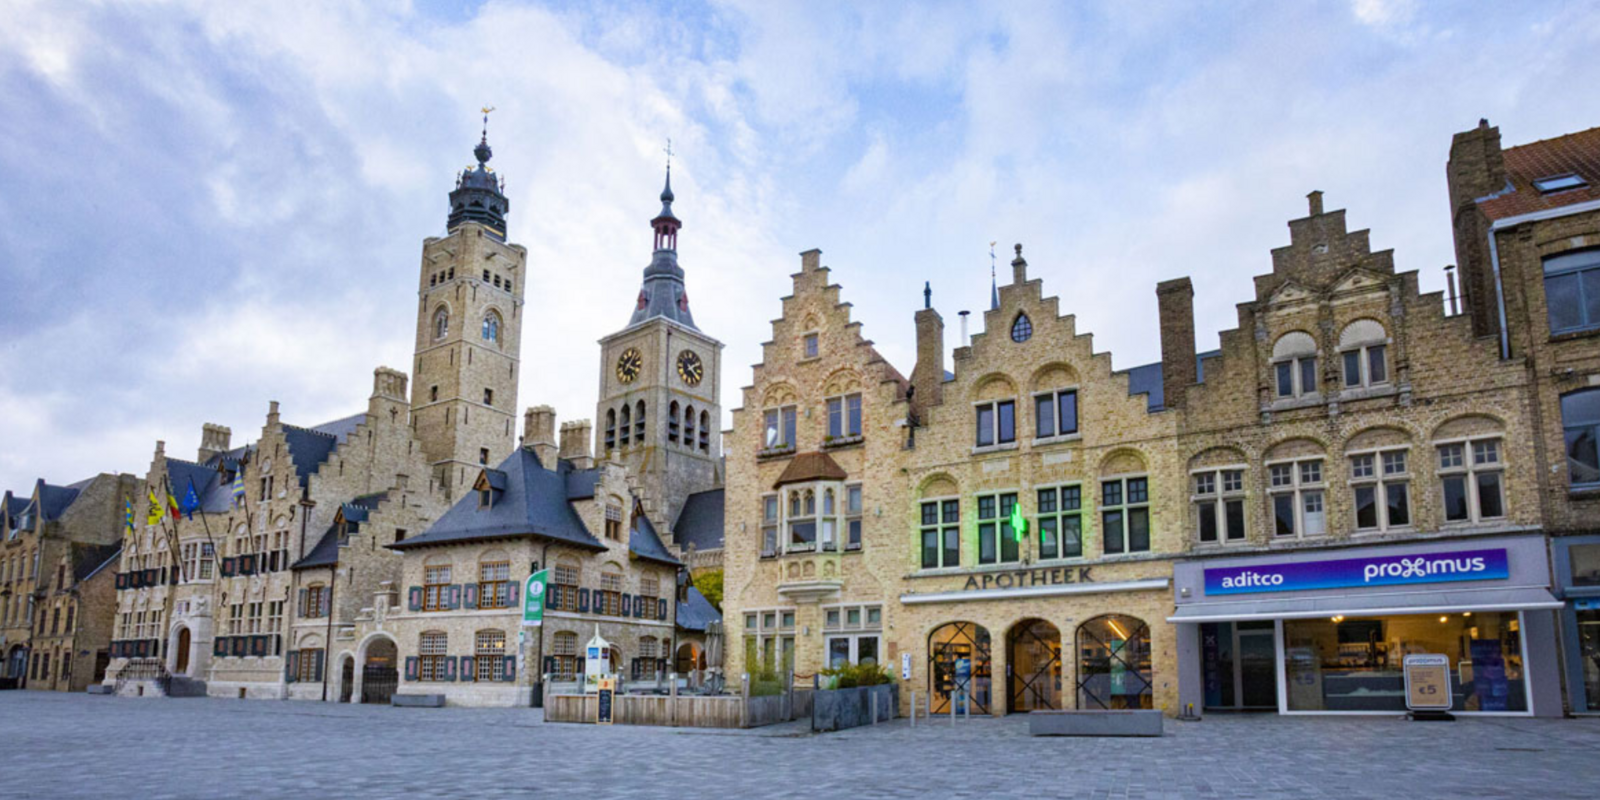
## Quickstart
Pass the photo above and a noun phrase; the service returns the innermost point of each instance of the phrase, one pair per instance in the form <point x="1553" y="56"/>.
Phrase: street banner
<point x="533" y="598"/>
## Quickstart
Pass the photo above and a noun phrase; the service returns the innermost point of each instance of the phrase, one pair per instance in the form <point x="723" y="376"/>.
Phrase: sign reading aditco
<point x="533" y="598"/>
<point x="1347" y="573"/>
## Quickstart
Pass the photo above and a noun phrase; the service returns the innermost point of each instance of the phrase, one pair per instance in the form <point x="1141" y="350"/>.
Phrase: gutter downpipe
<point x="1494" y="256"/>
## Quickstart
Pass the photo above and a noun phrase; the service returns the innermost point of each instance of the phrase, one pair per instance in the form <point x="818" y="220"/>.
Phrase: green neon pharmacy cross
<point x="1019" y="524"/>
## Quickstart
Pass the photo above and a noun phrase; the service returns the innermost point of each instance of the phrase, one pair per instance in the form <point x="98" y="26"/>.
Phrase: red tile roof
<point x="1574" y="153"/>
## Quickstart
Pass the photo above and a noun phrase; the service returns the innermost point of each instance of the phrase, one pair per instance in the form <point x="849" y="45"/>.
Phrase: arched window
<point x="624" y="424"/>
<point x="1114" y="663"/>
<point x="1294" y="364"/>
<point x="705" y="431"/>
<point x="441" y="323"/>
<point x="1580" y="419"/>
<point x="1022" y="329"/>
<point x="638" y="422"/>
<point x="672" y="422"/>
<point x="688" y="426"/>
<point x="491" y="327"/>
<point x="611" y="428"/>
<point x="1363" y="350"/>
<point x="958" y="667"/>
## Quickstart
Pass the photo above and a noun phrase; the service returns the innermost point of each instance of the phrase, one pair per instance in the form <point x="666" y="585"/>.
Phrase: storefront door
<point x="1240" y="665"/>
<point x="1589" y="655"/>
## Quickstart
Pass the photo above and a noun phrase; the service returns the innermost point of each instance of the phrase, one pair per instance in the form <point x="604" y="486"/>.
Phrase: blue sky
<point x="205" y="206"/>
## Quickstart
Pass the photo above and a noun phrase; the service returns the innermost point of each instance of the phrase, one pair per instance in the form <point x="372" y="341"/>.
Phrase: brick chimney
<point x="539" y="434"/>
<point x="928" y="375"/>
<point x="575" y="443"/>
<point x="1476" y="169"/>
<point x="1175" y="301"/>
<point x="214" y="440"/>
<point x="811" y="260"/>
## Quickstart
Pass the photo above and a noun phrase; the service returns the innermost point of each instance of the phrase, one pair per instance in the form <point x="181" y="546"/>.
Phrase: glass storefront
<point x="1588" y="614"/>
<point x="958" y="667"/>
<point x="1356" y="663"/>
<point x="1240" y="665"/>
<point x="1114" y="663"/>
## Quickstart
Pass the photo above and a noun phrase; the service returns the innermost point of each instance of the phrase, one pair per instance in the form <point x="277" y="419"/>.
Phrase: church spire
<point x="663" y="293"/>
<point x="479" y="195"/>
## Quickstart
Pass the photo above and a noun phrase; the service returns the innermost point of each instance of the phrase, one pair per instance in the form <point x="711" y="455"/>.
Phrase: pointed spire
<point x="994" y="287"/>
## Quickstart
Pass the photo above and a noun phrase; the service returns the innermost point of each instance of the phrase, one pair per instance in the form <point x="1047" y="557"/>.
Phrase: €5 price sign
<point x="1427" y="682"/>
<point x="533" y="598"/>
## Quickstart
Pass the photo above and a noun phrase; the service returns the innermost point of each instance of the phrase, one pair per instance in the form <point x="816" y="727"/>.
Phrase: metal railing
<point x="145" y="669"/>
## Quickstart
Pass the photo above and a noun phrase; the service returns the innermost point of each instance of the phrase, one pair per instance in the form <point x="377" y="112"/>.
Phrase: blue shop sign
<point x="1347" y="573"/>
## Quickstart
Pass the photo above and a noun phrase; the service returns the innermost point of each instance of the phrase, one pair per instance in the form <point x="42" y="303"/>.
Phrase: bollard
<point x="913" y="708"/>
<point x="954" y="701"/>
<point x="874" y="701"/>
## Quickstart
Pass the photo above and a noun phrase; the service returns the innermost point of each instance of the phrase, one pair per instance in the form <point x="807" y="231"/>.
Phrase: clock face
<point x="629" y="364"/>
<point x="689" y="367"/>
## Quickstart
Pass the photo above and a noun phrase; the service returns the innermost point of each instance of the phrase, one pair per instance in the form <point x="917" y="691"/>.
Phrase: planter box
<point x="417" y="701"/>
<point x="838" y="709"/>
<point x="1138" y="722"/>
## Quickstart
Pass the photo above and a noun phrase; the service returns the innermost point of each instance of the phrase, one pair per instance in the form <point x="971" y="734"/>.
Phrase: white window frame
<point x="994" y="430"/>
<point x="1055" y="415"/>
<point x="1299" y="489"/>
<point x="771" y="523"/>
<point x="1214" y="480"/>
<point x="841" y="629"/>
<point x="1381" y="480"/>
<point x="1468" y="471"/>
<point x="841" y="404"/>
<point x="780" y="419"/>
<point x="854" y="531"/>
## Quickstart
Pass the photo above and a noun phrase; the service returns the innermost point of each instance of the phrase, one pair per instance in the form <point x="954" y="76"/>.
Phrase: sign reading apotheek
<point x="1427" y="682"/>
<point x="533" y="598"/>
<point x="1347" y="573"/>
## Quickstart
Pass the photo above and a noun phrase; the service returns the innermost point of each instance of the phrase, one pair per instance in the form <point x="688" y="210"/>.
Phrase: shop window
<point x="1580" y="419"/>
<point x="1471" y="475"/>
<point x="1055" y="413"/>
<point x="1380" y="483"/>
<point x="432" y="648"/>
<point x="1572" y="291"/>
<point x="1033" y="660"/>
<point x="489" y="655"/>
<point x="1299" y="498"/>
<point x="1060" y="522"/>
<point x="1218" y="502"/>
<point x="1363" y="349"/>
<point x="1356" y="664"/>
<point x="844" y="416"/>
<point x="769" y="525"/>
<point x="941" y="533"/>
<point x="997" y="542"/>
<point x="780" y="428"/>
<point x="1114" y="663"/>
<point x="997" y="423"/>
<point x="1125" y="515"/>
<point x="959" y="671"/>
<point x="852" y="634"/>
<point x="769" y="640"/>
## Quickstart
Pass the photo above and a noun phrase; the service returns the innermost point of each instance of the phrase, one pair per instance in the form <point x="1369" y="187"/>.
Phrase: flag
<point x="191" y="501"/>
<point x="127" y="512"/>
<point x="153" y="516"/>
<point x="238" y="486"/>
<point x="172" y="506"/>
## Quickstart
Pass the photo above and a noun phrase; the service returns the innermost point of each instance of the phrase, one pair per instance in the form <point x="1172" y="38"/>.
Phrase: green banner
<point x="533" y="598"/>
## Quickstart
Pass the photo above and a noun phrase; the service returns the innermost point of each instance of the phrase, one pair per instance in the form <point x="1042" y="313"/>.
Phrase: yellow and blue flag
<point x="127" y="512"/>
<point x="238" y="487"/>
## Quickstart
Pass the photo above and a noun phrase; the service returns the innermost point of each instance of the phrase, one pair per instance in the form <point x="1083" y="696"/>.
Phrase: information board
<point x="1427" y="682"/>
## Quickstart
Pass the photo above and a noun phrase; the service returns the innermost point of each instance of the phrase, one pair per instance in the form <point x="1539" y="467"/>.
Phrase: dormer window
<point x="1559" y="183"/>
<point x="485" y="497"/>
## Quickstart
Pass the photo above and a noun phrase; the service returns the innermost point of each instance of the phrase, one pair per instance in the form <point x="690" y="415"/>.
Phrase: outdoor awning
<point x="1513" y="598"/>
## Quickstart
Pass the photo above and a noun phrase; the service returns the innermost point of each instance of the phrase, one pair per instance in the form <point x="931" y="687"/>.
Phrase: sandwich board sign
<point x="1427" y="682"/>
<point x="608" y="688"/>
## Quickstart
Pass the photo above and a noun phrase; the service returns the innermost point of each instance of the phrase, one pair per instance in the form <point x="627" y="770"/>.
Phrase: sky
<point x="207" y="206"/>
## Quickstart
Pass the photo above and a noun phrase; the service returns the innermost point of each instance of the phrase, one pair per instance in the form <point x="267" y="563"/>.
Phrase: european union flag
<point x="191" y="501"/>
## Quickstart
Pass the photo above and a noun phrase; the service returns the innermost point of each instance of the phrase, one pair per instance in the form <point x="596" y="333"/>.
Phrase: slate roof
<point x="54" y="500"/>
<point x="700" y="522"/>
<point x="90" y="559"/>
<point x="1575" y="153"/>
<point x="646" y="543"/>
<point x="325" y="554"/>
<point x="581" y="483"/>
<point x="341" y="428"/>
<point x="308" y="448"/>
<point x="1147" y="379"/>
<point x="535" y="503"/>
<point x="696" y="612"/>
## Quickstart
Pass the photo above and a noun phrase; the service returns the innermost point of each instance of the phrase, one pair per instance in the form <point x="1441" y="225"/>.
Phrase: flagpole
<point x="172" y="532"/>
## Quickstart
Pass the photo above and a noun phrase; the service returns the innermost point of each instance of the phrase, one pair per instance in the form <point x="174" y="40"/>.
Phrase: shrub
<point x="848" y="676"/>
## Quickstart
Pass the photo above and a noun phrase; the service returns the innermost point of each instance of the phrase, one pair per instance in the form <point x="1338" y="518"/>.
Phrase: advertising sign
<point x="963" y="684"/>
<point x="533" y="598"/>
<point x="602" y="705"/>
<point x="1427" y="682"/>
<point x="1489" y="681"/>
<point x="1347" y="573"/>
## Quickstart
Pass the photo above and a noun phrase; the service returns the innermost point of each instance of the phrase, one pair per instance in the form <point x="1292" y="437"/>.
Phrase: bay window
<point x="802" y="520"/>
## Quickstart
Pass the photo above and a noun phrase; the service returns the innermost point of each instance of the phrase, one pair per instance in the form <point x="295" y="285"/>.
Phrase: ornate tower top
<point x="663" y="293"/>
<point x="479" y="195"/>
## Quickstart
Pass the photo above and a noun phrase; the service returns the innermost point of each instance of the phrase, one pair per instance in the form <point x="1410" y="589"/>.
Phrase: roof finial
<point x="994" y="287"/>
<point x="482" y="151"/>
<point x="927" y="294"/>
<point x="666" y="192"/>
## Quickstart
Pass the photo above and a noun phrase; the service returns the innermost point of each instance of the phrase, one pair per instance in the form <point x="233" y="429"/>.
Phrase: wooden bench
<point x="417" y="701"/>
<point x="1134" y="722"/>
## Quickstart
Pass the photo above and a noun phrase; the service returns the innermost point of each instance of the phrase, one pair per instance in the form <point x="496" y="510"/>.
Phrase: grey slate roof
<point x="341" y="428"/>
<point x="646" y="543"/>
<point x="696" y="612"/>
<point x="534" y="503"/>
<point x="700" y="522"/>
<point x="581" y="483"/>
<point x="325" y="554"/>
<point x="1147" y="379"/>
<point x="308" y="449"/>
<point x="53" y="500"/>
<point x="90" y="559"/>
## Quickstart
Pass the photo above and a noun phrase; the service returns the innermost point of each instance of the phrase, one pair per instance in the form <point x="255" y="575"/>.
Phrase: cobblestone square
<point x="65" y="746"/>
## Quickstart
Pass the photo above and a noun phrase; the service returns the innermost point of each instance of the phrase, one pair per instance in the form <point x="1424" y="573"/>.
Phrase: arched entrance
<point x="180" y="664"/>
<point x="1114" y="663"/>
<point x="347" y="678"/>
<point x="690" y="660"/>
<point x="958" y="667"/>
<point x="17" y="666"/>
<point x="380" y="673"/>
<point x="1033" y="666"/>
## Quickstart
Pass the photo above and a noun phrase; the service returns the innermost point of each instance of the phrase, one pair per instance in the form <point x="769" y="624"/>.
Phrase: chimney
<point x="575" y="443"/>
<point x="539" y="434"/>
<point x="964" y="340"/>
<point x="389" y="384"/>
<point x="1019" y="268"/>
<point x="272" y="413"/>
<point x="1476" y="169"/>
<point x="213" y="441"/>
<point x="1175" y="303"/>
<point x="928" y="375"/>
<point x="811" y="260"/>
<point x="1316" y="203"/>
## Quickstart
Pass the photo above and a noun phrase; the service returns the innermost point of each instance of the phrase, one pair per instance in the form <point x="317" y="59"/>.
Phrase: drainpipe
<point x="327" y="639"/>
<point x="1494" y="255"/>
<point x="544" y="563"/>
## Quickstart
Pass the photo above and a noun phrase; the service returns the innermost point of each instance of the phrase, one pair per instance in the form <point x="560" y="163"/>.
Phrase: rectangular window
<point x="1297" y="498"/>
<point x="431" y="653"/>
<point x="435" y="585"/>
<point x="1219" y="515"/>
<point x="1366" y="366"/>
<point x="811" y="345"/>
<point x="1060" y="522"/>
<point x="1572" y="291"/>
<point x="769" y="525"/>
<point x="1125" y="515"/>
<point x="1470" y="477"/>
<point x="1381" y="486"/>
<point x="844" y="416"/>
<point x="779" y="428"/>
<point x="997" y="543"/>
<point x="1055" y="413"/>
<point x="941" y="533"/>
<point x="494" y="584"/>
<point x="997" y="423"/>
<point x="489" y="651"/>
<point x="852" y="516"/>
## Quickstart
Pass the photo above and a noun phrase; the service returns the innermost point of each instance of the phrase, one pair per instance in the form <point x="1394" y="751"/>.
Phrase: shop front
<point x="1327" y="631"/>
<point x="1577" y="565"/>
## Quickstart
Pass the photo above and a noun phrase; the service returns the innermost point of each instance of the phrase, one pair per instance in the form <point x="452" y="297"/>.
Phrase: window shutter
<point x="450" y="668"/>
<point x="327" y="600"/>
<point x="219" y="646"/>
<point x="122" y="580"/>
<point x="454" y="596"/>
<point x="508" y="670"/>
<point x="470" y="596"/>
<point x="176" y="576"/>
<point x="316" y="669"/>
<point x="412" y="663"/>
<point x="467" y="672"/>
<point x="150" y="578"/>
<point x="553" y="600"/>
<point x="549" y="665"/>
<point x="414" y="598"/>
<point x="661" y="609"/>
<point x="228" y="567"/>
<point x="511" y="593"/>
<point x="628" y="606"/>
<point x="291" y="667"/>
<point x="583" y="599"/>
<point x="305" y="594"/>
<point x="238" y="645"/>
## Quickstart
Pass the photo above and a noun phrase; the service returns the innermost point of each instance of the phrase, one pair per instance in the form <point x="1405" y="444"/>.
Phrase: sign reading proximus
<point x="1347" y="573"/>
<point x="533" y="598"/>
<point x="1427" y="682"/>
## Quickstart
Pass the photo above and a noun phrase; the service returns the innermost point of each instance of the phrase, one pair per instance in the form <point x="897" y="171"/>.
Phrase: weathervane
<point x="486" y="111"/>
<point x="991" y="259"/>
<point x="668" y="151"/>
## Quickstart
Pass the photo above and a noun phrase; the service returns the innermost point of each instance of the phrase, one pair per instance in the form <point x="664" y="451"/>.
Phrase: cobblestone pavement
<point x="61" y="746"/>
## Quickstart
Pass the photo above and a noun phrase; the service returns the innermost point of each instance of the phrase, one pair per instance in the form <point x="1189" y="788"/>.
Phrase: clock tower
<point x="469" y="332"/>
<point x="660" y="380"/>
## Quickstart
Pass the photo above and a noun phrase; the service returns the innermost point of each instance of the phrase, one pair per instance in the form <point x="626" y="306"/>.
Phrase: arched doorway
<point x="180" y="664"/>
<point x="1033" y="666"/>
<point x="1114" y="663"/>
<point x="17" y="666"/>
<point x="690" y="660"/>
<point x="347" y="678"/>
<point x="958" y="667"/>
<point x="380" y="673"/>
